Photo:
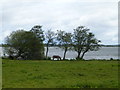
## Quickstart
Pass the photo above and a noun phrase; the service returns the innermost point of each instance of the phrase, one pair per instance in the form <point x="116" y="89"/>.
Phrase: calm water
<point x="103" y="53"/>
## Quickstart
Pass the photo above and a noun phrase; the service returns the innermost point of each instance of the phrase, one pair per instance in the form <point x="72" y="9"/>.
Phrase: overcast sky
<point x="100" y="16"/>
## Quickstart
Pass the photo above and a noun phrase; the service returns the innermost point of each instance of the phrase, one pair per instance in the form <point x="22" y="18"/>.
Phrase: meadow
<point x="59" y="74"/>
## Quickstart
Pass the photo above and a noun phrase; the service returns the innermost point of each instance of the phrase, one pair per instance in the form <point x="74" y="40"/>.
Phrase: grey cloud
<point x="100" y="17"/>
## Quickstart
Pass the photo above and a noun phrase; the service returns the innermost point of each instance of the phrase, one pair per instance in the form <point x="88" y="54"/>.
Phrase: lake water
<point x="103" y="53"/>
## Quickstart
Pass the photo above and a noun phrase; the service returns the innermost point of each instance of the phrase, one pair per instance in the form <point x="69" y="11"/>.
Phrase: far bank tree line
<point x="30" y="44"/>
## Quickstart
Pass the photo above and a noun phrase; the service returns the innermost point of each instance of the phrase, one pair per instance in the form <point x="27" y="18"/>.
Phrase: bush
<point x="72" y="59"/>
<point x="48" y="58"/>
<point x="79" y="59"/>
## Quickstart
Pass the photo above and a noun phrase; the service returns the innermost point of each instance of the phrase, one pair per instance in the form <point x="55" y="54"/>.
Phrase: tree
<point x="24" y="44"/>
<point x="37" y="29"/>
<point x="65" y="40"/>
<point x="50" y="36"/>
<point x="84" y="41"/>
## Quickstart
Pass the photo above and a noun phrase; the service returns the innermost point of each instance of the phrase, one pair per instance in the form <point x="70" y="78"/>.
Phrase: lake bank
<point x="103" y="53"/>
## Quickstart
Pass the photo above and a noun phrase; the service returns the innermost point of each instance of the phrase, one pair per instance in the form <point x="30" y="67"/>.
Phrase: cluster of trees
<point x="30" y="44"/>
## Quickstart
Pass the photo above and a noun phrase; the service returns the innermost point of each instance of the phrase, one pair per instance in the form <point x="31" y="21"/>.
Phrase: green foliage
<point x="49" y="36"/>
<point x="47" y="58"/>
<point x="29" y="45"/>
<point x="79" y="59"/>
<point x="24" y="44"/>
<point x="64" y="38"/>
<point x="37" y="29"/>
<point x="59" y="74"/>
<point x="65" y="41"/>
<point x="84" y="41"/>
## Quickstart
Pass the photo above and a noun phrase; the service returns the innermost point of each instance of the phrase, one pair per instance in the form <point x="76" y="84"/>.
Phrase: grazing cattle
<point x="56" y="56"/>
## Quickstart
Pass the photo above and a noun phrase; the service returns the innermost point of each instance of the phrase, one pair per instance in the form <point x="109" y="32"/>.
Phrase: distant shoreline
<point x="58" y="46"/>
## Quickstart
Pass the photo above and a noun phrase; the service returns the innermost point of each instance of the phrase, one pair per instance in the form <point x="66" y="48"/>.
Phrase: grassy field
<point x="59" y="74"/>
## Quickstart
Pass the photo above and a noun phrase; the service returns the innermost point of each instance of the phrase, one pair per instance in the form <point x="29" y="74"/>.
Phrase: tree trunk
<point x="64" y="53"/>
<point x="47" y="51"/>
<point x="78" y="54"/>
<point x="19" y="53"/>
<point x="83" y="55"/>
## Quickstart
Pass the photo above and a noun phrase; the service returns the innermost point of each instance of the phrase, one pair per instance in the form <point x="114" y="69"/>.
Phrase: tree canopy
<point x="65" y="41"/>
<point x="29" y="44"/>
<point x="84" y="41"/>
<point x="37" y="29"/>
<point x="49" y="36"/>
<point x="24" y="44"/>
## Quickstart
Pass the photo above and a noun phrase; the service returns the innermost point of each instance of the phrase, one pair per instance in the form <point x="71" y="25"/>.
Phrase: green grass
<point x="59" y="74"/>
